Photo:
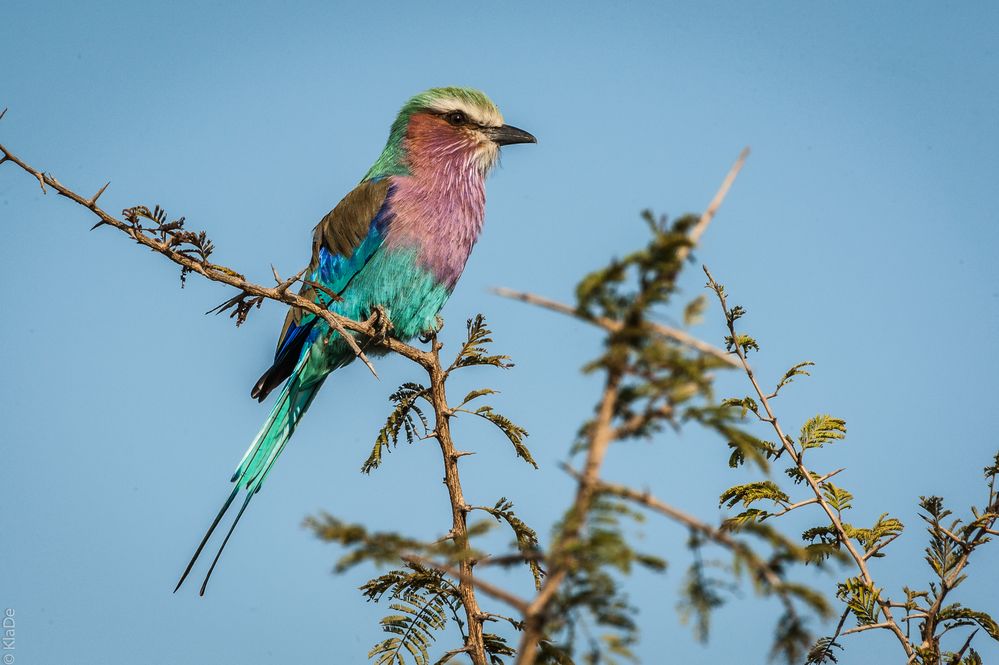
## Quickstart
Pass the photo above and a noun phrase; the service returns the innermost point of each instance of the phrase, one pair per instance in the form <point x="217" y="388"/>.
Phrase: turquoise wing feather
<point x="343" y="243"/>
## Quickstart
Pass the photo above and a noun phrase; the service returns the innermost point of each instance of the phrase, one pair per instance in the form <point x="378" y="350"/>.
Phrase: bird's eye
<point x="456" y="118"/>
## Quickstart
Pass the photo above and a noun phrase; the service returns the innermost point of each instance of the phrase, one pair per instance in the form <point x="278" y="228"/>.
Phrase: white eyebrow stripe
<point x="478" y="114"/>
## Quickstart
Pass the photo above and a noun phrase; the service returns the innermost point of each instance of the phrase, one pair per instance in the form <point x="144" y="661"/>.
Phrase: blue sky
<point x="861" y="235"/>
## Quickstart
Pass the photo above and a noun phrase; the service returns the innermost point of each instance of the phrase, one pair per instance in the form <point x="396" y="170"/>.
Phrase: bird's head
<point x="447" y="128"/>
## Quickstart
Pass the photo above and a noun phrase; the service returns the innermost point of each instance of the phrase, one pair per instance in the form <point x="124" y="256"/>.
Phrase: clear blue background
<point x="862" y="235"/>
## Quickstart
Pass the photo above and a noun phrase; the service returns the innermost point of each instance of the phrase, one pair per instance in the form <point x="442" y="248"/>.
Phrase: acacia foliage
<point x="655" y="380"/>
<point x="660" y="384"/>
<point x="929" y="612"/>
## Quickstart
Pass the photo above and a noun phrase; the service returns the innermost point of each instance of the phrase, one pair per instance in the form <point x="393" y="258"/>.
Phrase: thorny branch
<point x="165" y="244"/>
<point x="600" y="434"/>
<point x="459" y="507"/>
<point x="167" y="238"/>
<point x="613" y="421"/>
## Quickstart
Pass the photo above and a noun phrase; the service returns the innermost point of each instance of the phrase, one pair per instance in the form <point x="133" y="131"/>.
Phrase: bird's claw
<point x="381" y="323"/>
<point x="428" y="335"/>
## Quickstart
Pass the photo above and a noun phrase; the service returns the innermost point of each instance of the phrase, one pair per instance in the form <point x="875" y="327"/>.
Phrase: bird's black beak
<point x="507" y="134"/>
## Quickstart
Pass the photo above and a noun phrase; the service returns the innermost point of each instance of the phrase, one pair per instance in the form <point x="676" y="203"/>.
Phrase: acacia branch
<point x="639" y="421"/>
<point x="600" y="435"/>
<point x="459" y="507"/>
<point x="669" y="332"/>
<point x="221" y="274"/>
<point x="612" y="326"/>
<point x="709" y="212"/>
<point x="868" y="626"/>
<point x="795" y="506"/>
<point x="858" y="558"/>
<point x="165" y="245"/>
<point x="713" y="534"/>
<point x="488" y="588"/>
<point x="951" y="580"/>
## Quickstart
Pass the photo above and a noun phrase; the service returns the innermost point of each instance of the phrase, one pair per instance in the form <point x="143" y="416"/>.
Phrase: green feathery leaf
<point x="745" y="403"/>
<point x="474" y="352"/>
<point x="885" y="527"/>
<point x="425" y="601"/>
<point x="400" y="420"/>
<point x="963" y="615"/>
<point x="820" y="430"/>
<point x="515" y="433"/>
<point x="822" y="652"/>
<point x="797" y="370"/>
<point x="737" y="522"/>
<point x="837" y="497"/>
<point x="742" y="341"/>
<point x="752" y="492"/>
<point x="861" y="599"/>
<point x="527" y="538"/>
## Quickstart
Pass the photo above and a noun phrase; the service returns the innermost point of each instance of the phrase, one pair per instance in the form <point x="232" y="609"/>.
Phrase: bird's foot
<point x="429" y="334"/>
<point x="381" y="323"/>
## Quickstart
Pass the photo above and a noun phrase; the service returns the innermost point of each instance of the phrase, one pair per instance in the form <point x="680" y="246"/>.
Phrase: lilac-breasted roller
<point x="399" y="241"/>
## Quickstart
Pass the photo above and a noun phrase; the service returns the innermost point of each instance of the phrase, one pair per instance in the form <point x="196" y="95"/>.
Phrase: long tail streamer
<point x="259" y="459"/>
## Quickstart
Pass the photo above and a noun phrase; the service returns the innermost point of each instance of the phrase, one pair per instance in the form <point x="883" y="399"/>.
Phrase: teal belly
<point x="410" y="294"/>
<point x="392" y="279"/>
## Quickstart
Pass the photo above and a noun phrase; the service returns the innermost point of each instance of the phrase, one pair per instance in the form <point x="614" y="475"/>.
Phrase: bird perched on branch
<point x="396" y="244"/>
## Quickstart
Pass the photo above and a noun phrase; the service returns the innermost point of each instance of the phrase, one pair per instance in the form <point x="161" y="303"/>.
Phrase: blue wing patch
<point x="334" y="271"/>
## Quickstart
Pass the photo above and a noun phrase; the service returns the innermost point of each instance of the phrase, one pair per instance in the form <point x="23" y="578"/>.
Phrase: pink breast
<point x="438" y="209"/>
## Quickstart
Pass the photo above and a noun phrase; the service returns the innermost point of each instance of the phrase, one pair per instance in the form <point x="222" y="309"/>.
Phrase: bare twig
<point x="510" y="559"/>
<point x="967" y="643"/>
<point x="839" y="627"/>
<point x="709" y="213"/>
<point x="830" y="475"/>
<point x="610" y="325"/>
<point x="794" y="506"/>
<point x="640" y="420"/>
<point x="915" y="616"/>
<point x="448" y="655"/>
<point x="869" y="626"/>
<point x="334" y="297"/>
<point x="960" y="541"/>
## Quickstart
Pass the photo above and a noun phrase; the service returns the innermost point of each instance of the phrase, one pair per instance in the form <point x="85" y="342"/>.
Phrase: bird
<point x="395" y="246"/>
